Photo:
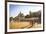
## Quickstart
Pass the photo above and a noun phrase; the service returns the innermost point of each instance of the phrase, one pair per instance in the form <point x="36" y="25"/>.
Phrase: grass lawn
<point x="20" y="25"/>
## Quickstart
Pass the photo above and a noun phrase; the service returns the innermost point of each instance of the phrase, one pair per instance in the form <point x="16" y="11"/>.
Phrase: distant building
<point x="21" y="17"/>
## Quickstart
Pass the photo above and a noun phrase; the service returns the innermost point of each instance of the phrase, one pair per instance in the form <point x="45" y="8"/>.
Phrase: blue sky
<point x="14" y="10"/>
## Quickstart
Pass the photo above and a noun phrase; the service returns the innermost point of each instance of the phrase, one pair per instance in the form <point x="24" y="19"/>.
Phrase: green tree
<point x="30" y="14"/>
<point x="20" y="14"/>
<point x="27" y="16"/>
<point x="11" y="18"/>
